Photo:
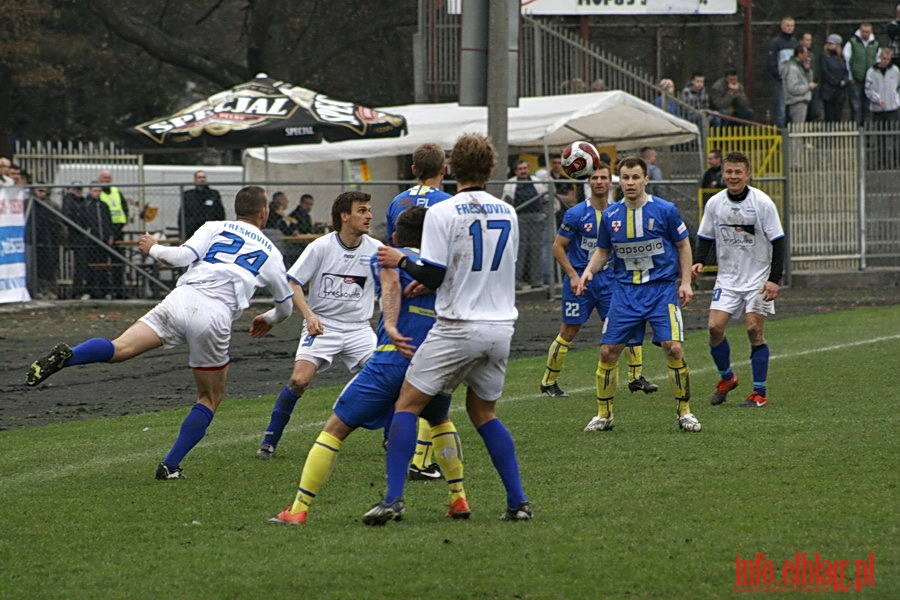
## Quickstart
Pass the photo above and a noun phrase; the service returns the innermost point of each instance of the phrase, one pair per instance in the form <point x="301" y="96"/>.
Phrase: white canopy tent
<point x="538" y="125"/>
<point x="613" y="118"/>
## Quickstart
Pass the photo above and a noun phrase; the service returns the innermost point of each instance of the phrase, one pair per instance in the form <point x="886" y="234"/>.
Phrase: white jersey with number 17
<point x="475" y="237"/>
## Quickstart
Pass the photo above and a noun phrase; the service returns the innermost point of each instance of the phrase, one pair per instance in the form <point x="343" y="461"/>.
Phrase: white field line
<point x="145" y="459"/>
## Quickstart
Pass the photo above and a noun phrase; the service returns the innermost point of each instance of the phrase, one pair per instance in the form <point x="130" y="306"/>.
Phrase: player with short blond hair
<point x="227" y="262"/>
<point x="740" y="228"/>
<point x="468" y="255"/>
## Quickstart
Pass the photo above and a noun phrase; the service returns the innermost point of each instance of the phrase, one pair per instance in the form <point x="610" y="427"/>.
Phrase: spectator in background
<point x="728" y="97"/>
<point x="712" y="178"/>
<point x="598" y="85"/>
<point x="280" y="224"/>
<point x="302" y="216"/>
<point x="810" y="65"/>
<point x="882" y="85"/>
<point x="279" y="218"/>
<point x="797" y="87"/>
<point x="47" y="236"/>
<point x="5" y="179"/>
<point x="667" y="93"/>
<point x="118" y="216"/>
<point x="529" y="197"/>
<point x="780" y="48"/>
<point x="694" y="95"/>
<point x="833" y="76"/>
<point x="576" y="85"/>
<point x="115" y="201"/>
<point x="565" y="190"/>
<point x="860" y="52"/>
<point x="654" y="173"/>
<point x="199" y="205"/>
<point x="91" y="215"/>
<point x="893" y="31"/>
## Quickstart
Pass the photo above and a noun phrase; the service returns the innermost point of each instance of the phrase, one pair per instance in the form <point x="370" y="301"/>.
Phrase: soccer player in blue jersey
<point x="575" y="241"/>
<point x="651" y="253"/>
<point x="428" y="167"/>
<point x="368" y="400"/>
<point x="227" y="262"/>
<point x="469" y="247"/>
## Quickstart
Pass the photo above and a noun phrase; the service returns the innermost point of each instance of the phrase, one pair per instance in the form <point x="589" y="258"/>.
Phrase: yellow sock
<point x="556" y="357"/>
<point x="448" y="453"/>
<point x="607" y="381"/>
<point x="319" y="462"/>
<point x="635" y="357"/>
<point x="680" y="380"/>
<point x="422" y="458"/>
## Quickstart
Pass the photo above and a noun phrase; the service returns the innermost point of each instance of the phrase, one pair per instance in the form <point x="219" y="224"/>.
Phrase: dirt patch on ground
<point x="161" y="379"/>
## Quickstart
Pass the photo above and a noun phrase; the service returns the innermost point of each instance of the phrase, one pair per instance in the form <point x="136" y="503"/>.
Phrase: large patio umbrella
<point x="263" y="112"/>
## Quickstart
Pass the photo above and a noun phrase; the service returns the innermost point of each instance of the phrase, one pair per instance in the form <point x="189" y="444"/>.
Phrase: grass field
<point x="644" y="511"/>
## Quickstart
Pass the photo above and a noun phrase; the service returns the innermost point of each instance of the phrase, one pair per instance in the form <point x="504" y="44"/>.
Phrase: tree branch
<point x="166" y="48"/>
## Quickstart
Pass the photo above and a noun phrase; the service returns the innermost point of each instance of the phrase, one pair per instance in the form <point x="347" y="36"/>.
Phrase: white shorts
<point x="203" y="323"/>
<point x="469" y="352"/>
<point x="732" y="302"/>
<point x="353" y="347"/>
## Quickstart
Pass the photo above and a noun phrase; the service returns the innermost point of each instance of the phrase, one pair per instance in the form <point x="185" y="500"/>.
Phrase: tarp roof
<point x="604" y="118"/>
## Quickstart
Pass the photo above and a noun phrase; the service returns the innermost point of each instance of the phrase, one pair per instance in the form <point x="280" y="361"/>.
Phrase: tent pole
<point x="555" y="273"/>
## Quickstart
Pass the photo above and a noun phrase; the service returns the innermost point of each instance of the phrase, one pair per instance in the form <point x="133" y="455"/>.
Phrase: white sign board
<point x="618" y="7"/>
<point x="12" y="245"/>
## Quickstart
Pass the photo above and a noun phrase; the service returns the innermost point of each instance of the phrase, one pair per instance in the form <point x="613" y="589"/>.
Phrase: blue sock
<point x="502" y="449"/>
<point x="193" y="428"/>
<point x="400" y="449"/>
<point x="721" y="355"/>
<point x="92" y="351"/>
<point x="759" y="363"/>
<point x="281" y="414"/>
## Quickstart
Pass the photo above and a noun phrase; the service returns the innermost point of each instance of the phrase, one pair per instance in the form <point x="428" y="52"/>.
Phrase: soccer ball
<point x="580" y="160"/>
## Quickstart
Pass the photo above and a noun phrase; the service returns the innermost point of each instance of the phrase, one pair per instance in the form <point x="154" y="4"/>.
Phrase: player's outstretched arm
<point x="263" y="323"/>
<point x="259" y="327"/>
<point x="313" y="325"/>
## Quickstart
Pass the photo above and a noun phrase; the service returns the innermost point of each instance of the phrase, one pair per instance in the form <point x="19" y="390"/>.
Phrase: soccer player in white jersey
<point x="469" y="256"/>
<point x="229" y="261"/>
<point x="368" y="400"/>
<point x="648" y="242"/>
<point x="336" y="310"/>
<point x="741" y="229"/>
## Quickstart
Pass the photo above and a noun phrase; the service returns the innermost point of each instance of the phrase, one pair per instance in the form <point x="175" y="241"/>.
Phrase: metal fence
<point x="553" y="60"/>
<point x="844" y="210"/>
<point x="835" y="186"/>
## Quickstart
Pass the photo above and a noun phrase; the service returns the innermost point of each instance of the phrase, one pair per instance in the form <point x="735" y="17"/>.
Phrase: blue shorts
<point x="633" y="306"/>
<point x="368" y="400"/>
<point x="576" y="310"/>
